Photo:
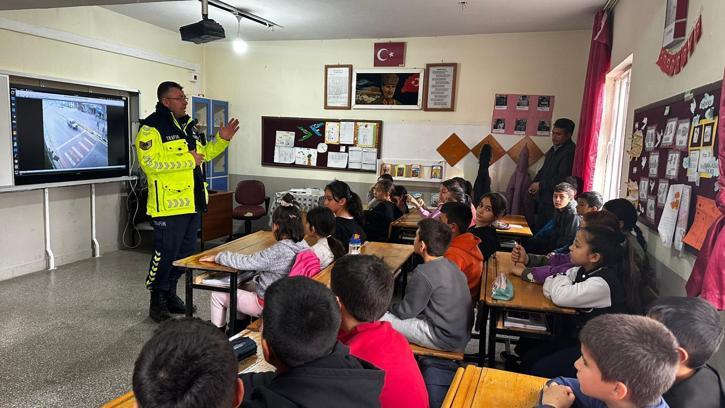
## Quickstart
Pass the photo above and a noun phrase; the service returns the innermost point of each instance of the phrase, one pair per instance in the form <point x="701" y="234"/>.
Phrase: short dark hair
<point x="565" y="188"/>
<point x="456" y="191"/>
<point x="601" y="218"/>
<point x="164" y="88"/>
<point x="592" y="198"/>
<point x="364" y="284"/>
<point x="435" y="234"/>
<point x="399" y="191"/>
<point x="499" y="203"/>
<point x="289" y="220"/>
<point x="695" y="324"/>
<point x="459" y="214"/>
<point x="301" y="319"/>
<point x="186" y="363"/>
<point x="386" y="176"/>
<point x="635" y="350"/>
<point x="566" y="124"/>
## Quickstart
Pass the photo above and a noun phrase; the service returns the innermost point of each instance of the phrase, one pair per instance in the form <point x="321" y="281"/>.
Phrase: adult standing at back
<point x="557" y="165"/>
<point x="171" y="154"/>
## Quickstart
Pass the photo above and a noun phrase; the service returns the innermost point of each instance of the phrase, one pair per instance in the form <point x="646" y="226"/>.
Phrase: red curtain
<point x="590" y="119"/>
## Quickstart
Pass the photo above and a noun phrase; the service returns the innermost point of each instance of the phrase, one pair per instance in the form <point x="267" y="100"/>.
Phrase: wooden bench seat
<point x="425" y="351"/>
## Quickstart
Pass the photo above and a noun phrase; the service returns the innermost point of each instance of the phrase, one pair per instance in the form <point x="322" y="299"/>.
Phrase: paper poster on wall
<point x="650" y="138"/>
<point x="673" y="164"/>
<point x="520" y="114"/>
<point x="284" y="138"/>
<point x="682" y="216"/>
<point x="662" y="187"/>
<point x="669" y="137"/>
<point x="284" y="154"/>
<point x="692" y="164"/>
<point x="654" y="162"/>
<point x="369" y="158"/>
<point x="683" y="131"/>
<point x="706" y="212"/>
<point x="337" y="160"/>
<point x="305" y="156"/>
<point x="355" y="158"/>
<point x="332" y="132"/>
<point x="707" y="162"/>
<point x="366" y="133"/>
<point x="643" y="188"/>
<point x="668" y="219"/>
<point x="347" y="133"/>
<point x="651" y="207"/>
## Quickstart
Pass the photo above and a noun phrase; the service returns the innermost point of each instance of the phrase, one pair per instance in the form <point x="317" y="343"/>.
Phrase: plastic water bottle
<point x="355" y="244"/>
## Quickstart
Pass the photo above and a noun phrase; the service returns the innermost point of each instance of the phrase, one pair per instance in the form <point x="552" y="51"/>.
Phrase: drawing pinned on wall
<point x="683" y="131"/>
<point x="670" y="130"/>
<point x="305" y="156"/>
<point x="284" y="138"/>
<point x="332" y="132"/>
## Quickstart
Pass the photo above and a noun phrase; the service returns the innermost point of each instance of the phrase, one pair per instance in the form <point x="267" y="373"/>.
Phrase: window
<point x="608" y="171"/>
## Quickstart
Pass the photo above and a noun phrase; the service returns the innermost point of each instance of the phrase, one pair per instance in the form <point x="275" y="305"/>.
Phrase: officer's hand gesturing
<point x="198" y="158"/>
<point x="228" y="131"/>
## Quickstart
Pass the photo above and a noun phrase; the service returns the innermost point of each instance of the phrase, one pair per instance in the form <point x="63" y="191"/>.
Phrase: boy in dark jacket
<point x="299" y="337"/>
<point x="566" y="222"/>
<point x="696" y="325"/>
<point x="436" y="310"/>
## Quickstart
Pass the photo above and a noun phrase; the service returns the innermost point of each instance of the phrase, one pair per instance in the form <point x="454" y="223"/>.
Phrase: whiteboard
<point x="419" y="140"/>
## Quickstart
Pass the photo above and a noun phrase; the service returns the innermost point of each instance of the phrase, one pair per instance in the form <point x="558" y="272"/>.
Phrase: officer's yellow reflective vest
<point x="169" y="169"/>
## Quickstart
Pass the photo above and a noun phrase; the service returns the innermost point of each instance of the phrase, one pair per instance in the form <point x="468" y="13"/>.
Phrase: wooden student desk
<point x="251" y="364"/>
<point x="410" y="222"/>
<point x="247" y="245"/>
<point x="528" y="296"/>
<point x="491" y="388"/>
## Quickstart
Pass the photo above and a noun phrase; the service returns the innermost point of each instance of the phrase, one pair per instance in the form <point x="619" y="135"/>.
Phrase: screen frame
<point x="130" y="100"/>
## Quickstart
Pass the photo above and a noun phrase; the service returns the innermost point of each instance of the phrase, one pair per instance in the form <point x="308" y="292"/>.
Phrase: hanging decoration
<point x="671" y="63"/>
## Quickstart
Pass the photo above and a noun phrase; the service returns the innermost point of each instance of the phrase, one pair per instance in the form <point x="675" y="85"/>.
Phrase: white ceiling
<point x="344" y="19"/>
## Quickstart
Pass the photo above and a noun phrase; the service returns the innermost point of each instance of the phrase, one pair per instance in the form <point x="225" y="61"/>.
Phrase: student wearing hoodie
<point x="464" y="250"/>
<point x="299" y="338"/>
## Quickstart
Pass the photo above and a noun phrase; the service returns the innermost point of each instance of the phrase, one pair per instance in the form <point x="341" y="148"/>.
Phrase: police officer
<point x="171" y="154"/>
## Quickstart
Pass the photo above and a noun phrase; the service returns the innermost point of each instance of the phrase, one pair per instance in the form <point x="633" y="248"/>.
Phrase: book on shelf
<point x="524" y="320"/>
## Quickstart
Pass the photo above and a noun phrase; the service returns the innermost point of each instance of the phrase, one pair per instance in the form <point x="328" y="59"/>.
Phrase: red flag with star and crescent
<point x="411" y="84"/>
<point x="389" y="54"/>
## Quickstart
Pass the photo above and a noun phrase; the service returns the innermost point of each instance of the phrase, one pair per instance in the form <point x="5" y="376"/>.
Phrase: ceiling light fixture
<point x="239" y="45"/>
<point x="244" y="14"/>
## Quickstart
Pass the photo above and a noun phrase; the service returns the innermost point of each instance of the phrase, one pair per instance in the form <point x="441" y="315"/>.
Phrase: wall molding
<point x="75" y="39"/>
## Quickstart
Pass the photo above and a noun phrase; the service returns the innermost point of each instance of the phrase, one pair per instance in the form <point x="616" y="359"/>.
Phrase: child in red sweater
<point x="364" y="286"/>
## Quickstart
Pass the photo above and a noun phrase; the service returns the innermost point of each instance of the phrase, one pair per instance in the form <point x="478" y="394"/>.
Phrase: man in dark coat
<point x="557" y="165"/>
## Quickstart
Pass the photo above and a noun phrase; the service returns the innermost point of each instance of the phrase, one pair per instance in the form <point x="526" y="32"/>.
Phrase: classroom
<point x="300" y="107"/>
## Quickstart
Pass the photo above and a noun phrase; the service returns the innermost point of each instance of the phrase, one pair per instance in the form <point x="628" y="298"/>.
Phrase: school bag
<point x="437" y="375"/>
<point x="306" y="264"/>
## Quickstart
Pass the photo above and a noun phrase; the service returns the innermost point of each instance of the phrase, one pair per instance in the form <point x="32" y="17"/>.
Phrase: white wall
<point x="286" y="78"/>
<point x="22" y="242"/>
<point x="638" y="28"/>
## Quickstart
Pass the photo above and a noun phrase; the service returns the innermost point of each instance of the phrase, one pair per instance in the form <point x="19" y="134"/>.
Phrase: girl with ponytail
<point x="347" y="207"/>
<point x="321" y="225"/>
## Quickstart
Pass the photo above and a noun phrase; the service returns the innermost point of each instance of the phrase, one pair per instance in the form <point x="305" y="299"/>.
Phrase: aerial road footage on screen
<point x="75" y="133"/>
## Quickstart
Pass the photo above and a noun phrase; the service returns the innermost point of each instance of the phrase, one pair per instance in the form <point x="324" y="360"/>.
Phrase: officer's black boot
<point x="158" y="310"/>
<point x="174" y="302"/>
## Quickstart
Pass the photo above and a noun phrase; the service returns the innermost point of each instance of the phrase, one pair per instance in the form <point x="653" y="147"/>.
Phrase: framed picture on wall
<point x="440" y="88"/>
<point x="388" y="88"/>
<point x="337" y="86"/>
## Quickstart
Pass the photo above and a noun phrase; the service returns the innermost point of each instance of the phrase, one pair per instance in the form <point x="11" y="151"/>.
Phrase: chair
<point x="250" y="194"/>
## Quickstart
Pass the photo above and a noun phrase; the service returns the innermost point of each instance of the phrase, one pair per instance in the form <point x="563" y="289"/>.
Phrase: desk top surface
<point x="488" y="387"/>
<point x="247" y="245"/>
<point x="410" y="220"/>
<point x="527" y="295"/>
<point x="394" y="255"/>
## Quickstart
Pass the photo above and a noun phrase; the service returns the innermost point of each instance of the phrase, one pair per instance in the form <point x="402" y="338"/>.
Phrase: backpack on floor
<point x="438" y="374"/>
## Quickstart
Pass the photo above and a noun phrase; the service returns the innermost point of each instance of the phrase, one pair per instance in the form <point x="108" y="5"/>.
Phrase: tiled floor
<point x="70" y="336"/>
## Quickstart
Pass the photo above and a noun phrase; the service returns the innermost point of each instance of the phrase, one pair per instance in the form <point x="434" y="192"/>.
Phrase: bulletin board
<point x="316" y="143"/>
<point x="670" y="136"/>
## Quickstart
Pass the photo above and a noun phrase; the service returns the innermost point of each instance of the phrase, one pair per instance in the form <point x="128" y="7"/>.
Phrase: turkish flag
<point x="390" y="54"/>
<point x="412" y="83"/>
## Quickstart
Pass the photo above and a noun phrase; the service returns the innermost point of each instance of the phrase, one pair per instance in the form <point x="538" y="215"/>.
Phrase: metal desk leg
<point x="482" y="324"/>
<point x="491" y="345"/>
<point x="189" y="292"/>
<point x="233" y="304"/>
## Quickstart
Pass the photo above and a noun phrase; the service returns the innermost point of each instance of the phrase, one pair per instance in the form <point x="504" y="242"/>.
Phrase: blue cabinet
<point x="212" y="114"/>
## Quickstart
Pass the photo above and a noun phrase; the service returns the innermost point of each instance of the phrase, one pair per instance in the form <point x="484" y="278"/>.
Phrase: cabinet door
<point x="201" y="111"/>
<point x="220" y="116"/>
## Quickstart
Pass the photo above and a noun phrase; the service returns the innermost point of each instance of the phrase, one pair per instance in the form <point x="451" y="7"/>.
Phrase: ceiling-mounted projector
<point x="204" y="31"/>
